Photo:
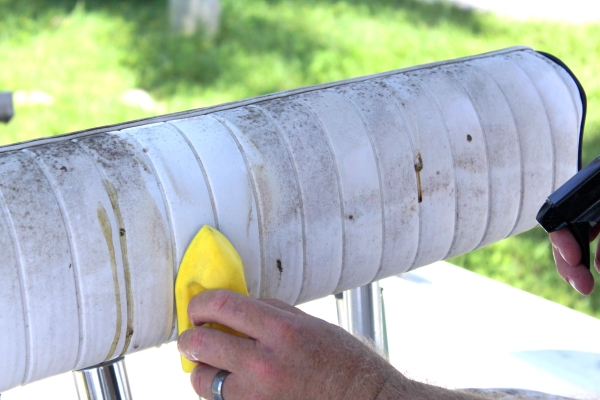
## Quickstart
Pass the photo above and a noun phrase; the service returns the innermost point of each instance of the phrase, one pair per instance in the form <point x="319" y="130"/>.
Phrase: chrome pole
<point x="6" y="107"/>
<point x="364" y="314"/>
<point x="106" y="381"/>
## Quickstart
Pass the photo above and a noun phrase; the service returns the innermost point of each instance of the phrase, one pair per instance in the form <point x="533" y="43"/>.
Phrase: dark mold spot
<point x="63" y="168"/>
<point x="350" y="217"/>
<point x="122" y="231"/>
<point x="469" y="138"/>
<point x="279" y="267"/>
<point x="418" y="169"/>
<point x="418" y="163"/>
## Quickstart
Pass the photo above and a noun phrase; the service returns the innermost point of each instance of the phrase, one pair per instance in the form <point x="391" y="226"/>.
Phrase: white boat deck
<point x="446" y="325"/>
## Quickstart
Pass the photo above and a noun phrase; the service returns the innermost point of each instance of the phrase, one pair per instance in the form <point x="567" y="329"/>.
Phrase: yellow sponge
<point x="210" y="262"/>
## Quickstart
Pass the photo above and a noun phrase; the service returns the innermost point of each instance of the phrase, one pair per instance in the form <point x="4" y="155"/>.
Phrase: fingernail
<point x="572" y="283"/>
<point x="182" y="344"/>
<point x="184" y="352"/>
<point x="563" y="257"/>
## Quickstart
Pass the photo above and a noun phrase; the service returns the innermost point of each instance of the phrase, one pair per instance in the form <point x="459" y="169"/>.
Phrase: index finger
<point x="243" y="314"/>
<point x="564" y="241"/>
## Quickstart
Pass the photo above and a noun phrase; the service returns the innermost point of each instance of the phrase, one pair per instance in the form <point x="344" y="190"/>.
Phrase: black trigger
<point x="581" y="232"/>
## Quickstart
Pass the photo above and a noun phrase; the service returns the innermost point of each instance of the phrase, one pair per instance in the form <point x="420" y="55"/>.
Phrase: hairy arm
<point x="287" y="354"/>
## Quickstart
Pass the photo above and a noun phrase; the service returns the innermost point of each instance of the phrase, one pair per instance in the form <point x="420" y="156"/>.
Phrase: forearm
<point x="296" y="356"/>
<point x="397" y="387"/>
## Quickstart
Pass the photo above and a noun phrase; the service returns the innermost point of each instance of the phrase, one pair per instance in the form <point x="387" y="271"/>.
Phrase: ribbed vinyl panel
<point x="320" y="189"/>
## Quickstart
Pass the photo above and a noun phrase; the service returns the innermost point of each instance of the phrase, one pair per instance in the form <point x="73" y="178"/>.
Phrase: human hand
<point x="567" y="255"/>
<point x="287" y="354"/>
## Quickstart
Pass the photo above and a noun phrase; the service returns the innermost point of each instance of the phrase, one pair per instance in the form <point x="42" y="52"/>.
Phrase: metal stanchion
<point x="6" y="107"/>
<point x="361" y="312"/>
<point x="106" y="381"/>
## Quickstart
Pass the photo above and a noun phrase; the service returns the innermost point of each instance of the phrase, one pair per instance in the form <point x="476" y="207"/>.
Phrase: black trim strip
<point x="558" y="61"/>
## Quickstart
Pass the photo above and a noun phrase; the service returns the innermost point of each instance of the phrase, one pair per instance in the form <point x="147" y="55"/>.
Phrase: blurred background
<point x="73" y="65"/>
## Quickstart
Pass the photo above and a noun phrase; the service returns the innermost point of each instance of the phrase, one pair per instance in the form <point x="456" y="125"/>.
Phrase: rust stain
<point x="418" y="169"/>
<point x="114" y="200"/>
<point x="107" y="231"/>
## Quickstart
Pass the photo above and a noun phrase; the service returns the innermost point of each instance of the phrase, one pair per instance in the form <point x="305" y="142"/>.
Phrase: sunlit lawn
<point x="85" y="55"/>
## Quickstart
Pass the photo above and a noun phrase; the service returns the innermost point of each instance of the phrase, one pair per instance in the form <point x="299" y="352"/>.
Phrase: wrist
<point x="398" y="386"/>
<point x="382" y="386"/>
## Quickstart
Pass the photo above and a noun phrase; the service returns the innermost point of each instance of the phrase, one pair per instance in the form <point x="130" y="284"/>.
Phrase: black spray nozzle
<point x="575" y="205"/>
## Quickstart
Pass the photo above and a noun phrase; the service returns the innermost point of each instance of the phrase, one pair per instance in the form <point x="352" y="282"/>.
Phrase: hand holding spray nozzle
<point x="575" y="205"/>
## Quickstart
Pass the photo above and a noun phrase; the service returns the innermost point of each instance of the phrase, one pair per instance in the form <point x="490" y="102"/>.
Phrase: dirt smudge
<point x="114" y="200"/>
<point x="106" y="227"/>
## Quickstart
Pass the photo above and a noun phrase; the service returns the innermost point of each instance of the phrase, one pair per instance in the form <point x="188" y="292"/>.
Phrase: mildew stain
<point x="106" y="227"/>
<point x="418" y="169"/>
<point x="250" y="217"/>
<point x="114" y="200"/>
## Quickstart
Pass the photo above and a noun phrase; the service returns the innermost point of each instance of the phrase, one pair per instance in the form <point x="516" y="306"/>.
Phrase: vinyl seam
<point x="413" y="152"/>
<point x="203" y="170"/>
<point x="369" y="133"/>
<point x="123" y="254"/>
<point x="543" y="102"/>
<point x="580" y="117"/>
<point x="301" y="101"/>
<point x="119" y="310"/>
<point x="24" y="298"/>
<point x="249" y="171"/>
<point x="74" y="260"/>
<point x="168" y="212"/>
<point x="286" y="144"/>
<point x="487" y="161"/>
<point x="521" y="155"/>
<point x="554" y="67"/>
<point x="433" y="99"/>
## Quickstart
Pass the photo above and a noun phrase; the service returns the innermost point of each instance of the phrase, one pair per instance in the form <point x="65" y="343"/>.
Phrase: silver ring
<point x="217" y="385"/>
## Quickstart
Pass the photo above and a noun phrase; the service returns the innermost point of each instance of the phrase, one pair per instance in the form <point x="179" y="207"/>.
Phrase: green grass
<point x="86" y="54"/>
